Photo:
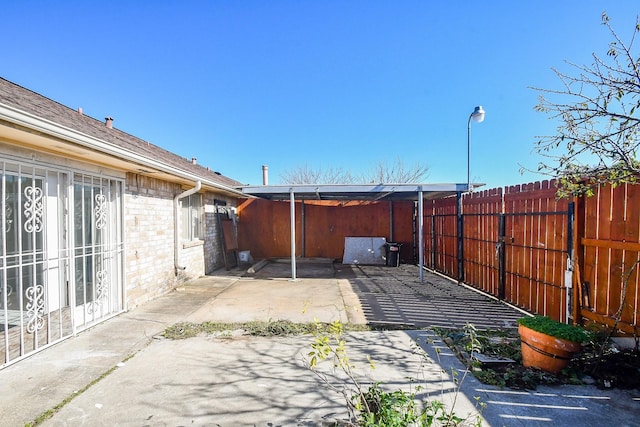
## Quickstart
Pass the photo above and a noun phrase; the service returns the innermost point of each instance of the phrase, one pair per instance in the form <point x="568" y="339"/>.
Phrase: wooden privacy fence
<point x="572" y="260"/>
<point x="321" y="227"/>
<point x="607" y="243"/>
<point x="569" y="259"/>
<point x="513" y="244"/>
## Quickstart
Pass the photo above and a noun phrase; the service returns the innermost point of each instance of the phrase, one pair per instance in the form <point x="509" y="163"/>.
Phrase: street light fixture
<point x="478" y="117"/>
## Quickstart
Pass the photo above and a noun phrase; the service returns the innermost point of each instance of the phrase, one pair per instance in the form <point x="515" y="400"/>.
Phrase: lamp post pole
<point x="478" y="117"/>
<point x="469" y="153"/>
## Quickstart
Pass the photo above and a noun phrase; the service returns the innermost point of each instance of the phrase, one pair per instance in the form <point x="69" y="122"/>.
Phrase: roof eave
<point x="34" y="123"/>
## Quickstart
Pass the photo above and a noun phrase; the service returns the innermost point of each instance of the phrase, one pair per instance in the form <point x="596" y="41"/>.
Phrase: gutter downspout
<point x="176" y="225"/>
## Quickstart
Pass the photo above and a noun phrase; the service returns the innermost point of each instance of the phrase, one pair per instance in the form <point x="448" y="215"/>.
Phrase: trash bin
<point x="393" y="254"/>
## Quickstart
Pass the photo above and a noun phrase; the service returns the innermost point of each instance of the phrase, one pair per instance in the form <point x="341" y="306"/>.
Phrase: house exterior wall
<point x="85" y="235"/>
<point x="149" y="236"/>
<point x="213" y="247"/>
<point x="148" y="229"/>
<point x="62" y="248"/>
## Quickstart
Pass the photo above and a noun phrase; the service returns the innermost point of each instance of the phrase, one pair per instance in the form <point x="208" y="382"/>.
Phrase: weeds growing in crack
<point x="374" y="405"/>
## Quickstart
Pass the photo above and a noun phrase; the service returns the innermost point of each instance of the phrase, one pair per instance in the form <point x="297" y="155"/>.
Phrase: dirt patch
<point x="501" y="363"/>
<point x="620" y="369"/>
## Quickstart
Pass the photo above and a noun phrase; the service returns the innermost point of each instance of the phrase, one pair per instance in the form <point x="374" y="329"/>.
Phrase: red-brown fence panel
<point x="481" y="217"/>
<point x="321" y="226"/>
<point x="537" y="246"/>
<point x="441" y="235"/>
<point x="265" y="228"/>
<point x="609" y="249"/>
<point x="514" y="244"/>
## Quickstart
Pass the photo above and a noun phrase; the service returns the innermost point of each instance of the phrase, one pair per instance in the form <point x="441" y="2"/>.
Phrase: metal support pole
<point x="460" y="229"/>
<point x="303" y="222"/>
<point x="502" y="262"/>
<point x="469" y="153"/>
<point x="478" y="116"/>
<point x="293" y="234"/>
<point x="420" y="234"/>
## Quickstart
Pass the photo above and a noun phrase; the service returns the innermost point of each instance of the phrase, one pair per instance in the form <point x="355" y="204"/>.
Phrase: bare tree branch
<point x="395" y="171"/>
<point x="598" y="138"/>
<point x="308" y="175"/>
<point x="384" y="171"/>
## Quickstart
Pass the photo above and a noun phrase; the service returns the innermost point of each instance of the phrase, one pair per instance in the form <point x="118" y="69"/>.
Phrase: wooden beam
<point x="612" y="244"/>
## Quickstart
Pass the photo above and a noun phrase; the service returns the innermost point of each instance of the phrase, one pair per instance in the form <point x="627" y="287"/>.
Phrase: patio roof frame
<point x="359" y="192"/>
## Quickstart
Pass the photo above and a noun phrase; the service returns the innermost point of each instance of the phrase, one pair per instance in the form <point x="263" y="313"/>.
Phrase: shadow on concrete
<point x="394" y="295"/>
<point x="243" y="380"/>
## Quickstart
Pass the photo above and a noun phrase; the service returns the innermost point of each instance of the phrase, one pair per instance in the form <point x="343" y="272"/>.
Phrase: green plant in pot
<point x="548" y="344"/>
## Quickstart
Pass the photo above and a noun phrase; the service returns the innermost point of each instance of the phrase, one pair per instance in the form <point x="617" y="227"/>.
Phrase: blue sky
<point x="331" y="84"/>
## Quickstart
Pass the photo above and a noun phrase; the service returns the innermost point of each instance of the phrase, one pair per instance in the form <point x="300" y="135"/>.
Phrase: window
<point x="191" y="217"/>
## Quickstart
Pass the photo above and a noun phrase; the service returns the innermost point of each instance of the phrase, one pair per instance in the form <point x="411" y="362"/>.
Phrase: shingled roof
<point x="26" y="100"/>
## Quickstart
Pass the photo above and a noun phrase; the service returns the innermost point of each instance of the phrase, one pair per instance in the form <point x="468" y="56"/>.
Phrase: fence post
<point x="414" y="227"/>
<point x="303" y="228"/>
<point x="578" y="257"/>
<point x="460" y="235"/>
<point x="434" y="242"/>
<point x="569" y="271"/>
<point x="502" y="268"/>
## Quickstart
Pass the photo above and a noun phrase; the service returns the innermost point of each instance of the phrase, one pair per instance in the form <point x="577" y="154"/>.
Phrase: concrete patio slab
<point x="121" y="373"/>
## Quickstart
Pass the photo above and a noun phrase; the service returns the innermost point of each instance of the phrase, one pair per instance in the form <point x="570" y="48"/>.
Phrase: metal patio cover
<point x="368" y="192"/>
<point x="354" y="192"/>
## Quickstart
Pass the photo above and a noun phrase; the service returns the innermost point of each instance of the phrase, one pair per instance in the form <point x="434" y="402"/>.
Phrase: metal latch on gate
<point x="501" y="241"/>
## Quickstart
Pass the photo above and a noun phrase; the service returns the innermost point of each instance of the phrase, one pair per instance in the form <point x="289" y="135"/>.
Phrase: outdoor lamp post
<point x="478" y="117"/>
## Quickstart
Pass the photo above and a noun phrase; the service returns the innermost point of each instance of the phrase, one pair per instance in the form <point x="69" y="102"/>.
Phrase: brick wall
<point x="149" y="237"/>
<point x="213" y="256"/>
<point x="212" y="245"/>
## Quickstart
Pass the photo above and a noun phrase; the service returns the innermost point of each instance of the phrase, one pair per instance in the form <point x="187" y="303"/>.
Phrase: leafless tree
<point x="598" y="137"/>
<point x="396" y="171"/>
<point x="384" y="171"/>
<point x="308" y="175"/>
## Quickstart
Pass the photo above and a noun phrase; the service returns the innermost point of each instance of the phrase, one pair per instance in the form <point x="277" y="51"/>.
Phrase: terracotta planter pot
<point x="545" y="352"/>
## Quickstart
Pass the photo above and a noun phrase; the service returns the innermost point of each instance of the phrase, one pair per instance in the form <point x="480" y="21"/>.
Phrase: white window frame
<point x="192" y="218"/>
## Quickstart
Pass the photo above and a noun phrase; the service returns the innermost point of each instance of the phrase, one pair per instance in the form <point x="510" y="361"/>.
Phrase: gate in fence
<point x="515" y="245"/>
